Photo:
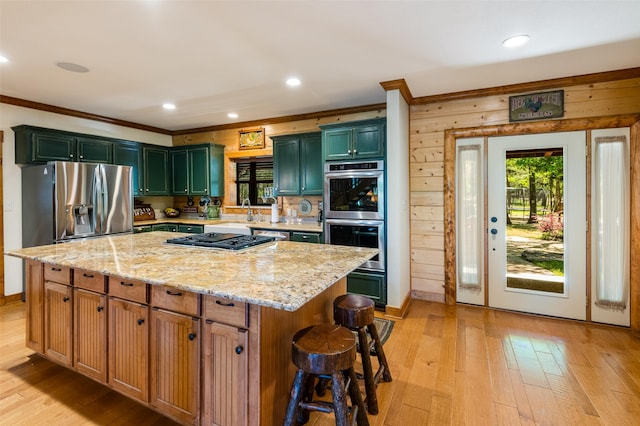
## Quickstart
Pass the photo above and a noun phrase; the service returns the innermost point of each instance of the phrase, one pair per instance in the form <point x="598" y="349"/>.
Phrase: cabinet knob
<point x="239" y="349"/>
<point x="348" y="151"/>
<point x="185" y="190"/>
<point x="355" y="151"/>
<point x="70" y="155"/>
<point x="100" y="308"/>
<point x="147" y="190"/>
<point x="65" y="299"/>
<point x="140" y="321"/>
<point x="191" y="336"/>
<point x="81" y="156"/>
<point x="140" y="190"/>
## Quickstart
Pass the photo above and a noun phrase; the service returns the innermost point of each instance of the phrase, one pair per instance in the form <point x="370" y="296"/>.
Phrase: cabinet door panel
<point x="179" y="172"/>
<point x="129" y="348"/>
<point x="337" y="144"/>
<point x="312" y="174"/>
<point x="90" y="328"/>
<point x="286" y="166"/>
<point x="53" y="147"/>
<point x="198" y="161"/>
<point x="368" y="284"/>
<point x="95" y="150"/>
<point x="226" y="373"/>
<point x="58" y="322"/>
<point x="156" y="171"/>
<point x="368" y="141"/>
<point x="175" y="372"/>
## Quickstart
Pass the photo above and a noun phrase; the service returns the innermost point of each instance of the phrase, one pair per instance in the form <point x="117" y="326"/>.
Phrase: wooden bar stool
<point x="356" y="313"/>
<point x="325" y="351"/>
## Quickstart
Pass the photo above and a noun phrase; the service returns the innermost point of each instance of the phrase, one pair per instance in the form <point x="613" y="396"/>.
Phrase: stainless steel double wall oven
<point x="354" y="207"/>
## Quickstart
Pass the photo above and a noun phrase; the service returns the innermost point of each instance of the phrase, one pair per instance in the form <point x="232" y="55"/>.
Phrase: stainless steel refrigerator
<point x="62" y="201"/>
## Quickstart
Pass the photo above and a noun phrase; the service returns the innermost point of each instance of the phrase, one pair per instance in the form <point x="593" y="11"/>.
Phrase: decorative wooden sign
<point x="252" y="139"/>
<point x="536" y="106"/>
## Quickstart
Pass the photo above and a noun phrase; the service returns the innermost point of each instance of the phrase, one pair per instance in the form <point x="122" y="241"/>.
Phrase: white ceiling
<point x="215" y="57"/>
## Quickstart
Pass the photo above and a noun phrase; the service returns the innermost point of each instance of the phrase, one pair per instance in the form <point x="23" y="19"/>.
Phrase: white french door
<point x="519" y="275"/>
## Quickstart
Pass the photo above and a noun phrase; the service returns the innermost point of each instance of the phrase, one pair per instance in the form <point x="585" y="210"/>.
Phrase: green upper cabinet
<point x="94" y="150"/>
<point x="37" y="145"/>
<point x="156" y="170"/>
<point x="355" y="140"/>
<point x="198" y="170"/>
<point x="130" y="154"/>
<point x="297" y="164"/>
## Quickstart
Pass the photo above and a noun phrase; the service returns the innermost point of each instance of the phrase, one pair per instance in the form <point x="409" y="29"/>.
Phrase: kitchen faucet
<point x="249" y="218"/>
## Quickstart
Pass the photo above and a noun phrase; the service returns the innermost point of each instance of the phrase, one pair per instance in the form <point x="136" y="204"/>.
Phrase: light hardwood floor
<point x="450" y="365"/>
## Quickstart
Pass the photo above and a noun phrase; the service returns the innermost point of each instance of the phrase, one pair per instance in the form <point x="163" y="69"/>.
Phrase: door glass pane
<point x="535" y="220"/>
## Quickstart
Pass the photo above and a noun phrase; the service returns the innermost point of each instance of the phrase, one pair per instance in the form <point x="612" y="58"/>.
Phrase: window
<point x="252" y="177"/>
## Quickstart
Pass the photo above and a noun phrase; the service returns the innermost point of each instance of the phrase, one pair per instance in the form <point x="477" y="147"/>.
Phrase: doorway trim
<point x="586" y="124"/>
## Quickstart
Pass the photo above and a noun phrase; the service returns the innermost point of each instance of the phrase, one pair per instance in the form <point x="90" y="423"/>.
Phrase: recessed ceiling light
<point x="232" y="115"/>
<point x="3" y="59"/>
<point x="293" y="81"/>
<point x="516" y="41"/>
<point x="168" y="105"/>
<point x="70" y="66"/>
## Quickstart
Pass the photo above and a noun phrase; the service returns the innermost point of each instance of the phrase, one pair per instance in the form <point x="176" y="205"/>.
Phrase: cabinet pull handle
<point x="126" y="284"/>
<point x="100" y="308"/>
<point x="239" y="349"/>
<point x="191" y="336"/>
<point x="170" y="293"/>
<point x="140" y="321"/>
<point x="88" y="275"/>
<point x="56" y="269"/>
<point x="65" y="299"/>
<point x="230" y="304"/>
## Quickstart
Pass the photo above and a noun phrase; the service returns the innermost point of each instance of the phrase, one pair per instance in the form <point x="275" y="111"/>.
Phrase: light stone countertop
<point x="282" y="275"/>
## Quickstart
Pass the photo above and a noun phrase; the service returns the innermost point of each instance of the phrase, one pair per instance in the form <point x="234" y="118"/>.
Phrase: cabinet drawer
<point x="133" y="290"/>
<point x="58" y="274"/>
<point x="173" y="299"/>
<point x="226" y="311"/>
<point x="89" y="280"/>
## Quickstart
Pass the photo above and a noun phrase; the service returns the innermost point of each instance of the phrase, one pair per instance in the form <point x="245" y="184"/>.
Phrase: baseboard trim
<point x="4" y="300"/>
<point x="402" y="311"/>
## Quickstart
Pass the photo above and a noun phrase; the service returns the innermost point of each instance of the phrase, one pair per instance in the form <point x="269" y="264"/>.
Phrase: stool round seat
<point x="353" y="310"/>
<point x="357" y="313"/>
<point x="323" y="349"/>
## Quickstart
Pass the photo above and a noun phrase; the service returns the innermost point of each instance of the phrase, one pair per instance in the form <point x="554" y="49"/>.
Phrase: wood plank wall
<point x="428" y="122"/>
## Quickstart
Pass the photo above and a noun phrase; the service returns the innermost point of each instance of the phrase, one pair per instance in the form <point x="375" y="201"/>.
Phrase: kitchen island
<point x="202" y="336"/>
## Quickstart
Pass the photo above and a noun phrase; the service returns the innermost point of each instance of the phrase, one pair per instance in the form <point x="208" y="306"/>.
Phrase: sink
<point x="229" y="227"/>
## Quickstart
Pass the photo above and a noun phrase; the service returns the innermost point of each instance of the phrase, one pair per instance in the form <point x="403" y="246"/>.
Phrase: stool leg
<point x="386" y="373"/>
<point x="369" y="382"/>
<point x="339" y="399"/>
<point x="356" y="398"/>
<point x="295" y="398"/>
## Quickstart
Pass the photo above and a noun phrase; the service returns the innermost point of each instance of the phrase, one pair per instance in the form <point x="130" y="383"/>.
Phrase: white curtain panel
<point x="469" y="227"/>
<point x="611" y="222"/>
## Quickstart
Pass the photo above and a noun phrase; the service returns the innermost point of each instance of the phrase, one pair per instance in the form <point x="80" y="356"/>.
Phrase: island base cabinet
<point x="225" y="374"/>
<point x="90" y="329"/>
<point x="58" y="322"/>
<point x="175" y="360"/>
<point x="129" y="348"/>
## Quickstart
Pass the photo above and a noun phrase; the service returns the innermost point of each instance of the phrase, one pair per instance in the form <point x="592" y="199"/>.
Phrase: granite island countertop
<point x="282" y="275"/>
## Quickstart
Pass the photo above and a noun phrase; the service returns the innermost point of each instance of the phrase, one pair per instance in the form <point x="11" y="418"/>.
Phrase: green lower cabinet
<point x="192" y="229"/>
<point x="170" y="227"/>
<point x="307" y="237"/>
<point x="370" y="284"/>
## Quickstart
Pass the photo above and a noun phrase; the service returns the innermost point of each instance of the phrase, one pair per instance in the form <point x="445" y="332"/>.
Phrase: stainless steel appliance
<point x="217" y="240"/>
<point x="354" y="190"/>
<point x="67" y="200"/>
<point x="361" y="233"/>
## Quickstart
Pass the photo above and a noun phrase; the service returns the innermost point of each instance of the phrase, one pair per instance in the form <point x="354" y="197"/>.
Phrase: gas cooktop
<point x="222" y="241"/>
